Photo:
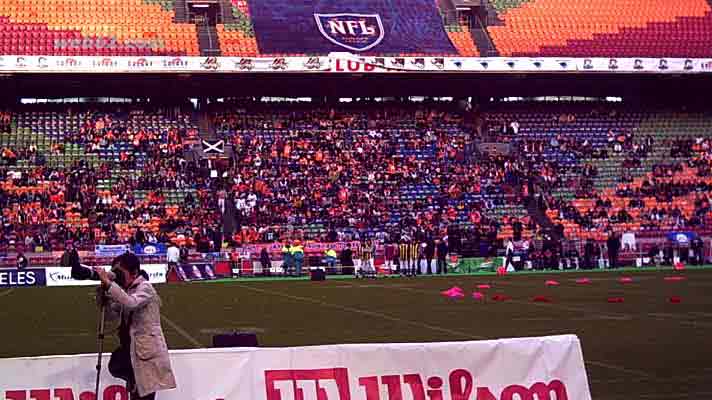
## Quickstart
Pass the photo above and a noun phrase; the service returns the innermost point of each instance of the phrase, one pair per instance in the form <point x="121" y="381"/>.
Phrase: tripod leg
<point x="100" y="343"/>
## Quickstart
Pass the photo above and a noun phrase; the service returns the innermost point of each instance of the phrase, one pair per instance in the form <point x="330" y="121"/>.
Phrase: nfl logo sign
<point x="357" y="32"/>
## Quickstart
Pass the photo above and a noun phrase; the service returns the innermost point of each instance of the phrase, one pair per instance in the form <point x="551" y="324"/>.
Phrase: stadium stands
<point x="67" y="161"/>
<point x="462" y="40"/>
<point x="350" y="169"/>
<point x="611" y="28"/>
<point x="577" y="28"/>
<point x="96" y="174"/>
<point x="101" y="27"/>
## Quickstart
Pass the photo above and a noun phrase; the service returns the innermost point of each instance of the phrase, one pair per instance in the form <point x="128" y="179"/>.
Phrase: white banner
<point x="347" y="63"/>
<point x="61" y="276"/>
<point x="61" y="64"/>
<point x="637" y="65"/>
<point x="545" y="368"/>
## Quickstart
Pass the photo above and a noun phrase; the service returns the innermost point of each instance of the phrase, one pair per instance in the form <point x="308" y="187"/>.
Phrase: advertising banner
<point x="61" y="276"/>
<point x="343" y="60"/>
<point x="94" y="64"/>
<point x="311" y="247"/>
<point x="110" y="250"/>
<point x="656" y="65"/>
<point x="22" y="278"/>
<point x="150" y="249"/>
<point x="544" y="368"/>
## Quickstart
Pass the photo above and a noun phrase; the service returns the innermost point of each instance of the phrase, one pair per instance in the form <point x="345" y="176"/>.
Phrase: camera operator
<point x="70" y="257"/>
<point x="21" y="261"/>
<point x="142" y="358"/>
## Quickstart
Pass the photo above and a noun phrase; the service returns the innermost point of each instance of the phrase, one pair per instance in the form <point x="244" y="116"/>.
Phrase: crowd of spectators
<point x="360" y="171"/>
<point x="333" y="172"/>
<point x="365" y="169"/>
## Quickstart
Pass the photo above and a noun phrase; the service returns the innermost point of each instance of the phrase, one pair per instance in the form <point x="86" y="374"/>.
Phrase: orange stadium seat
<point x="604" y="28"/>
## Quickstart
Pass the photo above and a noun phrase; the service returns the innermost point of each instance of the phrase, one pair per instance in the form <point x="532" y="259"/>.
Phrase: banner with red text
<point x="543" y="368"/>
<point x="344" y="62"/>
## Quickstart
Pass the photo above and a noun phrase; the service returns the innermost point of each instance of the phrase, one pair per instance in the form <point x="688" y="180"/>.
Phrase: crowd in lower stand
<point x="395" y="172"/>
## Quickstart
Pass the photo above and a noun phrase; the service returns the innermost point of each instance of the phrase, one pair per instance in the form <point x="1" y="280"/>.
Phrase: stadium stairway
<point x="206" y="126"/>
<point x="492" y="14"/>
<point x="448" y="11"/>
<point x="541" y="219"/>
<point x="208" y="40"/>
<point x="226" y="12"/>
<point x="180" y="10"/>
<point x="482" y="40"/>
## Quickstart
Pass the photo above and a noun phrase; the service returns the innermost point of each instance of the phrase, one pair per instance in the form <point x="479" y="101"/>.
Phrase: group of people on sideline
<point x="407" y="257"/>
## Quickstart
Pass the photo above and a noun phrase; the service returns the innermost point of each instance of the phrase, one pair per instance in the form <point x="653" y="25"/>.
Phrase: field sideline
<point x="644" y="348"/>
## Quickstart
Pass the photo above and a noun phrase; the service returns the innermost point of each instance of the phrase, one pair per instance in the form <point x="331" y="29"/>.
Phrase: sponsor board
<point x="61" y="276"/>
<point x="655" y="65"/>
<point x="22" y="277"/>
<point x="152" y="64"/>
<point x="311" y="247"/>
<point x="544" y="368"/>
<point x="110" y="250"/>
<point x="150" y="249"/>
<point x="346" y="62"/>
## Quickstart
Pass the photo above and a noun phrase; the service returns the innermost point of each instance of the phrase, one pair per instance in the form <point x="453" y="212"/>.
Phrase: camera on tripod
<point x="82" y="272"/>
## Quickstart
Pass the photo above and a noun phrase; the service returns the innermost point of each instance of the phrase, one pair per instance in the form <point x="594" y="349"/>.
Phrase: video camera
<point x="82" y="272"/>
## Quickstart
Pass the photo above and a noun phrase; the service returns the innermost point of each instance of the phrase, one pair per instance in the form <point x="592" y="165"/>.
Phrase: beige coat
<point x="149" y="352"/>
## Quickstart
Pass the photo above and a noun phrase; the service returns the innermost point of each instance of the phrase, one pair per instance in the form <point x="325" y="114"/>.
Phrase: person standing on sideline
<point x="287" y="259"/>
<point x="442" y="257"/>
<point x="265" y="262"/>
<point x="509" y="255"/>
<point x="430" y="254"/>
<point x="172" y="256"/>
<point x="588" y="254"/>
<point x="330" y="257"/>
<point x="414" y="249"/>
<point x="389" y="251"/>
<point x="614" y="246"/>
<point x="404" y="256"/>
<point x="395" y="258"/>
<point x="142" y="358"/>
<point x="70" y="257"/>
<point x="297" y="252"/>
<point x="420" y="256"/>
<point x="367" y="267"/>
<point x="347" y="259"/>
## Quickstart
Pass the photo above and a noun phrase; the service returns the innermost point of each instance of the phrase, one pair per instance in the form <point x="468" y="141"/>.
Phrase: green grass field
<point x="644" y="348"/>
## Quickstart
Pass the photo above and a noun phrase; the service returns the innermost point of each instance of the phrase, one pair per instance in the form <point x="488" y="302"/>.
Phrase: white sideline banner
<point x="340" y="62"/>
<point x="541" y="368"/>
<point x="62" y="276"/>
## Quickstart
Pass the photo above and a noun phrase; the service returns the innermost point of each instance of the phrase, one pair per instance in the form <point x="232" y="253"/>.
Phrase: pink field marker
<point x="674" y="278"/>
<point x="453" y="292"/>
